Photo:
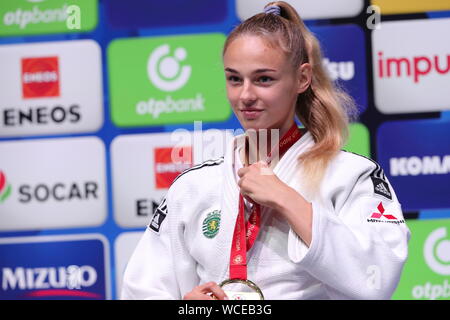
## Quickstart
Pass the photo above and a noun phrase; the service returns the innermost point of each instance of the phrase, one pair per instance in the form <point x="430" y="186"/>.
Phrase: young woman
<point x="305" y="221"/>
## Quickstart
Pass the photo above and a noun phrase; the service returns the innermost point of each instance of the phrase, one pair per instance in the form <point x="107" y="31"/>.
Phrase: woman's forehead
<point x="250" y="49"/>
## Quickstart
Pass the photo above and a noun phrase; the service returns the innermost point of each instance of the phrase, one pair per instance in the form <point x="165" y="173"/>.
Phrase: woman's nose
<point x="248" y="95"/>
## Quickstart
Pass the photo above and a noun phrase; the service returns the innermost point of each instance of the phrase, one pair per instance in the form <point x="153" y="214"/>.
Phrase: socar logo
<point x="164" y="71"/>
<point x="5" y="188"/>
<point x="437" y="251"/>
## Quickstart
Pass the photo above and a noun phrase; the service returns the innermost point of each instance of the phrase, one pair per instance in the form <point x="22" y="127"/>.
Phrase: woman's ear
<point x="304" y="76"/>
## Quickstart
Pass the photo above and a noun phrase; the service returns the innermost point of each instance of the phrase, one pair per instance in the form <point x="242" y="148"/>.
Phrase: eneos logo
<point x="169" y="163"/>
<point x="5" y="187"/>
<point x="167" y="80"/>
<point x="143" y="167"/>
<point x="46" y="90"/>
<point x="40" y="77"/>
<point x="165" y="72"/>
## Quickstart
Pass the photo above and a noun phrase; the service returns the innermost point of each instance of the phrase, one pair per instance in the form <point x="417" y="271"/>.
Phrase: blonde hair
<point x="324" y="109"/>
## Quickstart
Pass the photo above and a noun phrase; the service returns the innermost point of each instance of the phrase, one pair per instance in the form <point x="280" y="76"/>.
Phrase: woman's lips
<point x="250" y="114"/>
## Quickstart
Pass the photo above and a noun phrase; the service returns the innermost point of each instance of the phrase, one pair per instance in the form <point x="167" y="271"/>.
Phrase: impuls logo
<point x="414" y="67"/>
<point x="164" y="71"/>
<point x="5" y="187"/>
<point x="437" y="251"/>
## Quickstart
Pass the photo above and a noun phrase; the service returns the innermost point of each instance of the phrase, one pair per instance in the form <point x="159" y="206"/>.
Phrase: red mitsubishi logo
<point x="378" y="215"/>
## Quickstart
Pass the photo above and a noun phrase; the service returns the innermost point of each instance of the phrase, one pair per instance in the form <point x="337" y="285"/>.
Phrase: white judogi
<point x="357" y="251"/>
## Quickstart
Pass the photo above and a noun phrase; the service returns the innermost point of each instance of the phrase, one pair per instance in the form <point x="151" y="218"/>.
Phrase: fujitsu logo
<point x="342" y="70"/>
<point x="5" y="187"/>
<point x="44" y="280"/>
<point x="40" y="77"/>
<point x="413" y="67"/>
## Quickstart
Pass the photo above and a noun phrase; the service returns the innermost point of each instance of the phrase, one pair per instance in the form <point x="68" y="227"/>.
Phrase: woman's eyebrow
<point x="256" y="71"/>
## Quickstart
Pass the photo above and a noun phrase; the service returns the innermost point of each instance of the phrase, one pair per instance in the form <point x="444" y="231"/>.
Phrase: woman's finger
<point x="218" y="292"/>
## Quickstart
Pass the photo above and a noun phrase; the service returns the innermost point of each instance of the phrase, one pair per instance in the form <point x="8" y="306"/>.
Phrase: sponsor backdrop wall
<point x="104" y="102"/>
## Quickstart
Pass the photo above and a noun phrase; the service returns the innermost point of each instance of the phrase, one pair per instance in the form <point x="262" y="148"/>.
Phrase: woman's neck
<point x="259" y="143"/>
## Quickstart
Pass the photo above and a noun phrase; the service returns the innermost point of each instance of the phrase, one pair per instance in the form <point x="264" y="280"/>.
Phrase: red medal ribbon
<point x="245" y="233"/>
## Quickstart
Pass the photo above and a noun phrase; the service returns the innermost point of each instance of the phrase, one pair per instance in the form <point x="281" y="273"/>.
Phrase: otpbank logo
<point x="156" y="81"/>
<point x="5" y="187"/>
<point x="427" y="270"/>
<point x="55" y="267"/>
<point x="25" y="17"/>
<point x="345" y="59"/>
<point x="410" y="6"/>
<point x="40" y="77"/>
<point x="169" y="163"/>
<point x="411" y="77"/>
<point x="417" y="153"/>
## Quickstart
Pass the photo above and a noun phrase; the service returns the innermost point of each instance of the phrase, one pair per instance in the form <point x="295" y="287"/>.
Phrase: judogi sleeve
<point x="156" y="270"/>
<point x="359" y="237"/>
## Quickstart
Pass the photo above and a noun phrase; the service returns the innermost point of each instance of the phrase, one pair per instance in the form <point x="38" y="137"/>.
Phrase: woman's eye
<point x="233" y="79"/>
<point x="264" y="79"/>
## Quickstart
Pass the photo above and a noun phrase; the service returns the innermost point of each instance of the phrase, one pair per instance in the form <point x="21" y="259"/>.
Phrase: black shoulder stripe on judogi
<point x="158" y="216"/>
<point x="380" y="184"/>
<point x="207" y="163"/>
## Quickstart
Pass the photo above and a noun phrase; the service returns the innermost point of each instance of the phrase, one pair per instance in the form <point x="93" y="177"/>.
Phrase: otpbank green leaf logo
<point x="167" y="80"/>
<point x="426" y="275"/>
<point x="5" y="187"/>
<point x="27" y="17"/>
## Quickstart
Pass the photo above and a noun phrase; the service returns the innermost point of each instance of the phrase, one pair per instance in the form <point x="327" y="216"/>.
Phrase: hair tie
<point x="272" y="9"/>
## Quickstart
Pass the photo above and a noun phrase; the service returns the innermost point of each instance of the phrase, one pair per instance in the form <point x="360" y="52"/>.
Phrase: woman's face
<point x="262" y="86"/>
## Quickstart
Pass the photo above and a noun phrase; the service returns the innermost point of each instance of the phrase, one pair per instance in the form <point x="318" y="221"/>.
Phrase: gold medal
<point x="250" y="290"/>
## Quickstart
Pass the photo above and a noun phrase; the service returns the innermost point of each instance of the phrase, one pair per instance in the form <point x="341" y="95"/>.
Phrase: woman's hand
<point x="206" y="291"/>
<point x="260" y="184"/>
